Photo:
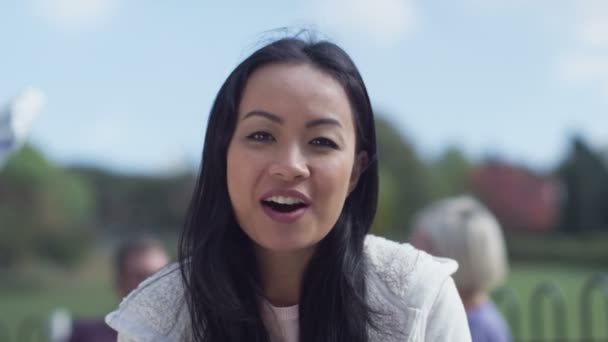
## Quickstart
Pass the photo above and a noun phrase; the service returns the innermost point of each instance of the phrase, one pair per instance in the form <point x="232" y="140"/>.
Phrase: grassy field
<point x="29" y="298"/>
<point x="88" y="293"/>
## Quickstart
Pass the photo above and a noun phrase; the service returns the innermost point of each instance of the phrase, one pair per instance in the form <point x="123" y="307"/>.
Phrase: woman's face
<point x="292" y="160"/>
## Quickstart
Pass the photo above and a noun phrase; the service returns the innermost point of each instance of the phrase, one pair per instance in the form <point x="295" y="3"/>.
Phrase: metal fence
<point x="545" y="295"/>
<point x="549" y="295"/>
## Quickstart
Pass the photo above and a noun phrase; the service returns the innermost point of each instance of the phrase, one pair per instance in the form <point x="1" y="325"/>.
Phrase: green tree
<point x="404" y="182"/>
<point x="130" y="204"/>
<point x="584" y="175"/>
<point x="449" y="174"/>
<point x="43" y="211"/>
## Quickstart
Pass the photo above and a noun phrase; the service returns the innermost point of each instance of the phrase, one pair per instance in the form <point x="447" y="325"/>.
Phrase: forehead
<point x="286" y="89"/>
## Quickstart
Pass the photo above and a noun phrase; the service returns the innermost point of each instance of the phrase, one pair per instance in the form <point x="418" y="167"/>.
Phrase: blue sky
<point x="129" y="83"/>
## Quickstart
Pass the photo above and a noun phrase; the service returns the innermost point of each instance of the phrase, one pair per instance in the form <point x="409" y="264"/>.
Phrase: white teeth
<point x="284" y="200"/>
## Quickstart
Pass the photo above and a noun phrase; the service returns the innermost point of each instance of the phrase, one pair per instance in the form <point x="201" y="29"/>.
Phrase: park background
<point x="506" y="100"/>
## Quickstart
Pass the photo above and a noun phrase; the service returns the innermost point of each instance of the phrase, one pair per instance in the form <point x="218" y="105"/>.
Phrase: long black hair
<point x="218" y="267"/>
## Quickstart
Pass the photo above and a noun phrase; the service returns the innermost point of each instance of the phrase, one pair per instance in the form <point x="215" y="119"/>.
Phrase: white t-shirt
<point x="281" y="322"/>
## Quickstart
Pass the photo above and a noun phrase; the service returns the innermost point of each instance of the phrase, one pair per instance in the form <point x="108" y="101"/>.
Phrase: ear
<point x="360" y="164"/>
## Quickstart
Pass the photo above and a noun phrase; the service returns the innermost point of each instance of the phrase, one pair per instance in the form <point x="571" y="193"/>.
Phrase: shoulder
<point x="415" y="293"/>
<point x="155" y="311"/>
<point x="404" y="269"/>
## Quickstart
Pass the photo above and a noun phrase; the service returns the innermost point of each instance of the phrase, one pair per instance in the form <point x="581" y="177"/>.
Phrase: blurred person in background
<point x="461" y="228"/>
<point x="134" y="261"/>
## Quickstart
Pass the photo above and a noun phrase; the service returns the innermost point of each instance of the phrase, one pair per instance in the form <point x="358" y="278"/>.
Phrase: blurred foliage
<point x="582" y="249"/>
<point x="404" y="182"/>
<point x="134" y="204"/>
<point x="449" y="174"/>
<point x="584" y="175"/>
<point x="43" y="211"/>
<point x="52" y="214"/>
<point x="387" y="207"/>
<point x="407" y="182"/>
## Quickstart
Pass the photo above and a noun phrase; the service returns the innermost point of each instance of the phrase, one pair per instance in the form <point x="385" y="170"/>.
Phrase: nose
<point x="289" y="165"/>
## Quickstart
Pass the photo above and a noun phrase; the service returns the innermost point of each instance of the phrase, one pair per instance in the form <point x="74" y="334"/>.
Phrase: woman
<point x="461" y="228"/>
<point x="275" y="247"/>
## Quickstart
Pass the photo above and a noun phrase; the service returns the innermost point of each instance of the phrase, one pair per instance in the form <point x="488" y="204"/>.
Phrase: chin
<point x="285" y="244"/>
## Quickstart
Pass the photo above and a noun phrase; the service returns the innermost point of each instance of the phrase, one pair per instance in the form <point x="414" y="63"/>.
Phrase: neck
<point x="472" y="299"/>
<point x="281" y="274"/>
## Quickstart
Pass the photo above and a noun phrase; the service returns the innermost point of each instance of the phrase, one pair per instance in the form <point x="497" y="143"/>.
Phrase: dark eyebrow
<point x="269" y="116"/>
<point x="279" y="120"/>
<point x="325" y="121"/>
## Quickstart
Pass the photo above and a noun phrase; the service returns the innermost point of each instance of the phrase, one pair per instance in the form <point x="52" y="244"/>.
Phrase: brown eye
<point x="324" y="142"/>
<point x="261" y="136"/>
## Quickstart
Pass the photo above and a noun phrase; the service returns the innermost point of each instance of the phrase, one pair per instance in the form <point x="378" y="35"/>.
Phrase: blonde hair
<point x="461" y="228"/>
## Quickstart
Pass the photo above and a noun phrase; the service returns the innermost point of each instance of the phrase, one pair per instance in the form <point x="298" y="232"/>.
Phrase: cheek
<point x="331" y="187"/>
<point x="235" y="175"/>
<point x="243" y="163"/>
<point x="243" y="172"/>
<point x="333" y="178"/>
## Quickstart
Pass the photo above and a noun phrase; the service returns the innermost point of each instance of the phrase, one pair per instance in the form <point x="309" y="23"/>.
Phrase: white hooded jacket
<point x="413" y="290"/>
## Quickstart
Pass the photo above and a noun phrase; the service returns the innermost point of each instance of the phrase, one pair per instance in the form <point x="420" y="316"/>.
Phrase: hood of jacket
<point x="402" y="282"/>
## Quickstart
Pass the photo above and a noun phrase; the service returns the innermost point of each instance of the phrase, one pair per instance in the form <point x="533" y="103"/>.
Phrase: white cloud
<point x="382" y="21"/>
<point x="24" y="109"/>
<point x="587" y="61"/>
<point x="585" y="68"/>
<point x="592" y="18"/>
<point x="595" y="31"/>
<point x="74" y="14"/>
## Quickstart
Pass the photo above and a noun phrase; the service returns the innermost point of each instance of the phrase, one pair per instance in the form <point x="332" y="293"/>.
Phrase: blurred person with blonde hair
<point x="461" y="228"/>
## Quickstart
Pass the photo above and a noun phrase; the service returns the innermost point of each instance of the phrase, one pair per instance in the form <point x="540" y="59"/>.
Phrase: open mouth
<point x="284" y="204"/>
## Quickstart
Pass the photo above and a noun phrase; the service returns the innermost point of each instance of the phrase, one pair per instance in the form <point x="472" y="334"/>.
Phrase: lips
<point x="285" y="193"/>
<point x="285" y="206"/>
